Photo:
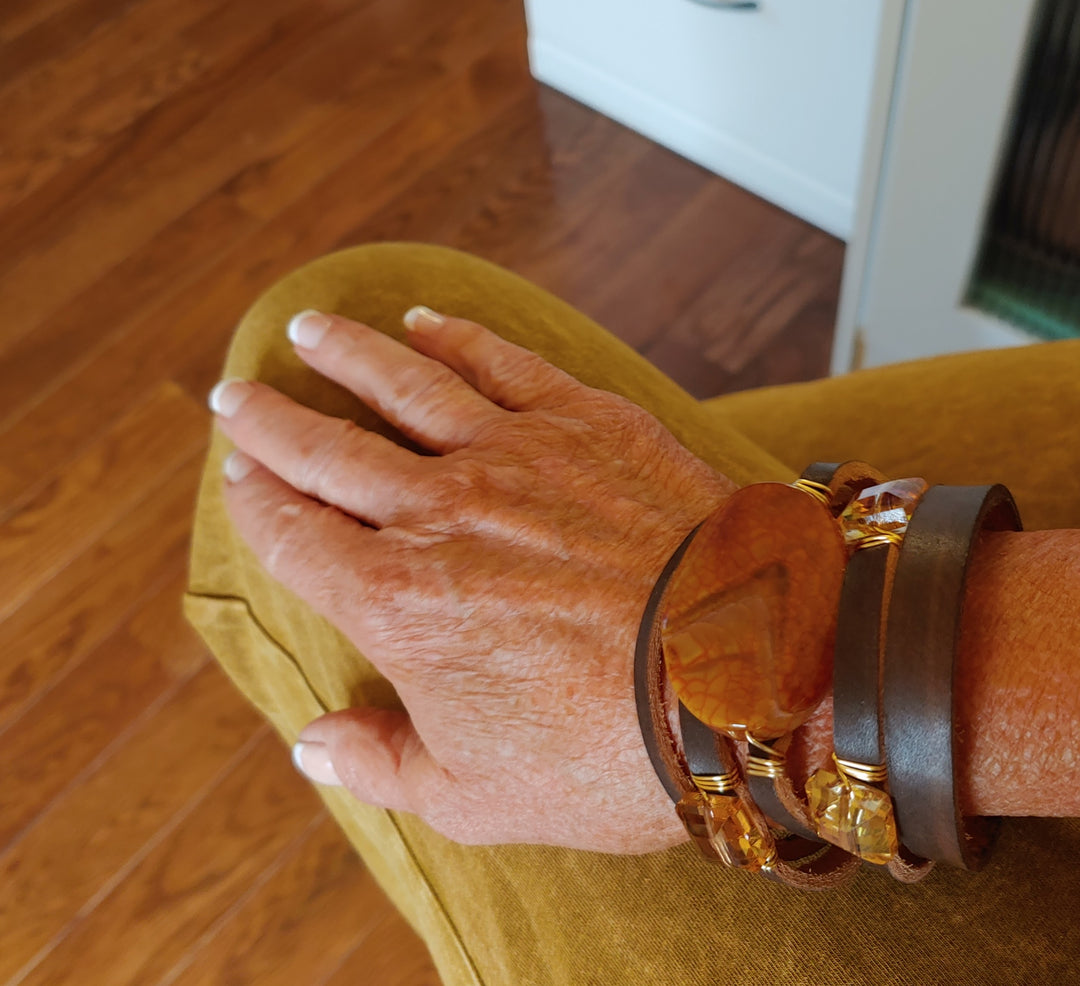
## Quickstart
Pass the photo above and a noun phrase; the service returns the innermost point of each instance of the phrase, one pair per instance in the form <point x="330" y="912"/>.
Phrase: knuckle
<point x="326" y="461"/>
<point x="508" y="368"/>
<point x="422" y="389"/>
<point x="295" y="555"/>
<point x="517" y="371"/>
<point x="634" y="423"/>
<point x="283" y="551"/>
<point x="460" y="487"/>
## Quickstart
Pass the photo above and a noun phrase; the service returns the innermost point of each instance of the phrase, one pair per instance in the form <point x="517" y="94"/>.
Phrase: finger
<point x="422" y="397"/>
<point x="377" y="755"/>
<point x="324" y="556"/>
<point x="509" y="375"/>
<point x="333" y="460"/>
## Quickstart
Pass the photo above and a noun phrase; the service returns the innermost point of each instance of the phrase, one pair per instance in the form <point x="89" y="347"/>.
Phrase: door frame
<point x="941" y="105"/>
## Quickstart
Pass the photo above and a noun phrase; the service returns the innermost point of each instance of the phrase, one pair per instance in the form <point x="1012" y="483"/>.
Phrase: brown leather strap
<point x="778" y="798"/>
<point x="924" y="621"/>
<point x="857" y="656"/>
<point x="649" y="690"/>
<point x="858" y="726"/>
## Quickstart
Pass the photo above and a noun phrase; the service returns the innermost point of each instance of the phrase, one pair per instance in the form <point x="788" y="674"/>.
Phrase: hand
<point x="498" y="583"/>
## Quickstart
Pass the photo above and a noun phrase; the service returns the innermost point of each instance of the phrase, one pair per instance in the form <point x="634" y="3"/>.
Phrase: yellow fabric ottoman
<point x="518" y="915"/>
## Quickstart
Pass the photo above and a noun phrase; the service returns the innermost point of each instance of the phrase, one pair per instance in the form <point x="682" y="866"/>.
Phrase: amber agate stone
<point x="749" y="618"/>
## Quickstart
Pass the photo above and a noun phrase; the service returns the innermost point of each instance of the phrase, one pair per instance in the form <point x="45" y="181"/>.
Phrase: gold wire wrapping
<point x="819" y="491"/>
<point x="871" y="540"/>
<point x="875" y="774"/>
<point x="716" y="783"/>
<point x="771" y="765"/>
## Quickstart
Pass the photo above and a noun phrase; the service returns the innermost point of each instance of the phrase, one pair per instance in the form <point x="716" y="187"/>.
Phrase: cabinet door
<point x="772" y="95"/>
<point x="921" y="219"/>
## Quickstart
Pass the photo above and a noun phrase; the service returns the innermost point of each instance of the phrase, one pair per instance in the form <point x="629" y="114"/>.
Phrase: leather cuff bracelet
<point x="746" y="621"/>
<point x="925" y="614"/>
<point x="850" y="803"/>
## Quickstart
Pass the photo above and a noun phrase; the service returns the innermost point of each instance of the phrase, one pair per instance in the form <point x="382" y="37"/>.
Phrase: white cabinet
<point x="773" y="98"/>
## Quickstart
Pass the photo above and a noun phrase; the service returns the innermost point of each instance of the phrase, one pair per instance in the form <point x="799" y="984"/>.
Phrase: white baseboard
<point x="693" y="139"/>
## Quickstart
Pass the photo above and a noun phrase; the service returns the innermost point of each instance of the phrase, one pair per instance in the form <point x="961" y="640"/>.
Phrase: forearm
<point x="1017" y="690"/>
<point x="1018" y="687"/>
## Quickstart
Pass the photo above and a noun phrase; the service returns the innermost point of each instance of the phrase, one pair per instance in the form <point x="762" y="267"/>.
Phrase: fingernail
<point x="237" y="466"/>
<point x="422" y="319"/>
<point x="313" y="761"/>
<point x="227" y="396"/>
<point x="307" y="328"/>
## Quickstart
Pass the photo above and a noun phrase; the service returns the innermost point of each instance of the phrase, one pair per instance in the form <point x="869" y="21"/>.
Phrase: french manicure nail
<point x="227" y="396"/>
<point x="237" y="466"/>
<point x="307" y="328"/>
<point x="423" y="319"/>
<point x="313" y="761"/>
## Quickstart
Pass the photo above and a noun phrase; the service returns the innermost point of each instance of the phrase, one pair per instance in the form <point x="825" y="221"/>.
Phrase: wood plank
<point x="59" y="105"/>
<point x="401" y="103"/>
<point x="297" y="926"/>
<point x="64" y="110"/>
<point x="156" y="279"/>
<point x="784" y="286"/>
<point x="143" y="283"/>
<point x="82" y="843"/>
<point x="625" y="213"/>
<point x="45" y="216"/>
<point x="185" y="333"/>
<point x="75" y="611"/>
<point x="673" y="268"/>
<point x="533" y="168"/>
<point x="20" y="16"/>
<point x="53" y="38"/>
<point x="133" y="669"/>
<point x="161" y="179"/>
<point x="453" y="185"/>
<point x="88" y="495"/>
<point x="183" y="886"/>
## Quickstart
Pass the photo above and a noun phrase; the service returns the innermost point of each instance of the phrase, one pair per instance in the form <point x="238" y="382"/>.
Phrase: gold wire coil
<point x="771" y="765"/>
<point x="865" y="772"/>
<point x="770" y="752"/>
<point x="884" y="537"/>
<point x="819" y="491"/>
<point x="716" y="783"/>
<point x="763" y="767"/>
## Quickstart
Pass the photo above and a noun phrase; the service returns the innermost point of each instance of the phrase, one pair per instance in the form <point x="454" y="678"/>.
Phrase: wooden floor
<point x="161" y="162"/>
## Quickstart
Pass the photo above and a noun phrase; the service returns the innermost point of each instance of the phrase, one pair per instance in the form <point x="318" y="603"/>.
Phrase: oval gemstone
<point x="749" y="617"/>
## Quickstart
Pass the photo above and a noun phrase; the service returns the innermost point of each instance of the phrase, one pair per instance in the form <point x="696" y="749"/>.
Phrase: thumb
<point x="375" y="753"/>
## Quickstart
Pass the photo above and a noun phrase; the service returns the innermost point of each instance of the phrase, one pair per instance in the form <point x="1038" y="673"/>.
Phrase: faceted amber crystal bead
<point x="749" y="618"/>
<point x="855" y="816"/>
<point x="884" y="509"/>
<point x="723" y="829"/>
<point x="691" y="812"/>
